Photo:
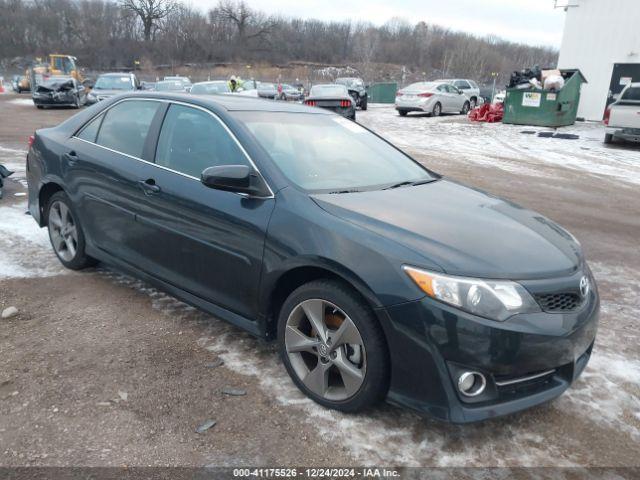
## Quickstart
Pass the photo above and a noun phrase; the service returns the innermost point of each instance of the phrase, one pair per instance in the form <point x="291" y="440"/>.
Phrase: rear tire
<point x="363" y="105"/>
<point x="352" y="369"/>
<point x="65" y="233"/>
<point x="608" y="138"/>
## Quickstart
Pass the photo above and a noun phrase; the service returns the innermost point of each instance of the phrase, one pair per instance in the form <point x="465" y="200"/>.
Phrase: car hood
<point x="463" y="230"/>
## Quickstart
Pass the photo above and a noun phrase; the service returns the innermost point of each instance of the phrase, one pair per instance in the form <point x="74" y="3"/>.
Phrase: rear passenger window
<point x="90" y="130"/>
<point x="192" y="140"/>
<point x="126" y="125"/>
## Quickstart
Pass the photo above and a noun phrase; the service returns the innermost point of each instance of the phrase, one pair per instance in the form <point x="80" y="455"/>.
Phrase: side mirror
<point x="235" y="178"/>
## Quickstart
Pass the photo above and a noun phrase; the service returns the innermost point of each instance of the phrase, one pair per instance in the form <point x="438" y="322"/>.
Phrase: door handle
<point x="149" y="186"/>
<point x="71" y="157"/>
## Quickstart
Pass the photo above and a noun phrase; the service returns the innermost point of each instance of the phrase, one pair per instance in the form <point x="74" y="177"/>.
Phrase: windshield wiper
<point x="353" y="190"/>
<point x="409" y="184"/>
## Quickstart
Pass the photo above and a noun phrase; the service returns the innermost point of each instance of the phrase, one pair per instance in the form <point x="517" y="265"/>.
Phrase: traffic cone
<point x="1" y="85"/>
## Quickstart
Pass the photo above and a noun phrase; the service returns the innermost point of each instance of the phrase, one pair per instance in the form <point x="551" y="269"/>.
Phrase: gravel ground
<point x="99" y="369"/>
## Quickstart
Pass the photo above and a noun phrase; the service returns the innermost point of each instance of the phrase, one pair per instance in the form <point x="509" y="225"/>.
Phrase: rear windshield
<point x="324" y="90"/>
<point x="420" y="86"/>
<point x="114" y="83"/>
<point x="632" y="94"/>
<point x="328" y="153"/>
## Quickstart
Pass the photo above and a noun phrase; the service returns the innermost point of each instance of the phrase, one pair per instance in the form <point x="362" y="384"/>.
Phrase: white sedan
<point x="433" y="98"/>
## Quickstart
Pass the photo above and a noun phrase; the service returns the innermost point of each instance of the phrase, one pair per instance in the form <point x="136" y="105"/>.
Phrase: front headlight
<point x="493" y="299"/>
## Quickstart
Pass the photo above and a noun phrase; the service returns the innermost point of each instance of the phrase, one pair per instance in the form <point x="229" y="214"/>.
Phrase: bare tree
<point x="150" y="12"/>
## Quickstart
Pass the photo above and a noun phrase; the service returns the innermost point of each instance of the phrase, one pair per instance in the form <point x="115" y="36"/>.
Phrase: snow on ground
<point x="27" y="102"/>
<point x="504" y="146"/>
<point x="25" y="247"/>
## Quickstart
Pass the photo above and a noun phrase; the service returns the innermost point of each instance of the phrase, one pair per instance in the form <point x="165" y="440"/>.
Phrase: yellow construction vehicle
<point x="56" y="64"/>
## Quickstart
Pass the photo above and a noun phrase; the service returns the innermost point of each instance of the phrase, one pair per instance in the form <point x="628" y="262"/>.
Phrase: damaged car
<point x="60" y="91"/>
<point x="356" y="89"/>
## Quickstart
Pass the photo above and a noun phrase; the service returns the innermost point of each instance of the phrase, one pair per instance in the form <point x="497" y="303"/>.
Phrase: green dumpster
<point x="382" y="92"/>
<point x="545" y="108"/>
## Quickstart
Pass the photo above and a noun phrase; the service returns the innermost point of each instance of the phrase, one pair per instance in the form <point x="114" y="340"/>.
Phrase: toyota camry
<point x="377" y="278"/>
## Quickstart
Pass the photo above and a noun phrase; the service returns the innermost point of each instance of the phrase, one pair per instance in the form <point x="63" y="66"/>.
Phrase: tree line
<point x="106" y="34"/>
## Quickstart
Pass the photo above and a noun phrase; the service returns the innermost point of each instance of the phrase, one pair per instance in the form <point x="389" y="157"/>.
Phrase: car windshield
<point x="169" y="85"/>
<point x="328" y="153"/>
<point x="632" y="94"/>
<point x="327" y="90"/>
<point x="113" y="82"/>
<point x="209" y="88"/>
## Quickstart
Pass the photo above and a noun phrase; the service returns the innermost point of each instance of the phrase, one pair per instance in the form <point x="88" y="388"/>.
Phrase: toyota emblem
<point x="584" y="286"/>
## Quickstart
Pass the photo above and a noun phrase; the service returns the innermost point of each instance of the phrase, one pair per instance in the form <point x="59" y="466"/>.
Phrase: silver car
<point x="433" y="98"/>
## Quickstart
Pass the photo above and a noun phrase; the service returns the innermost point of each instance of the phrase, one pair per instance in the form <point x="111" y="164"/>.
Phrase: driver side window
<point x="191" y="140"/>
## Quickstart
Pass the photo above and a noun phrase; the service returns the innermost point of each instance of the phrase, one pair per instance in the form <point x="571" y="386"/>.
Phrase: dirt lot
<point x="101" y="369"/>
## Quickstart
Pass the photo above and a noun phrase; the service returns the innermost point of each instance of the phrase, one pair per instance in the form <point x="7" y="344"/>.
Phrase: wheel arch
<point x="46" y="192"/>
<point x="298" y="275"/>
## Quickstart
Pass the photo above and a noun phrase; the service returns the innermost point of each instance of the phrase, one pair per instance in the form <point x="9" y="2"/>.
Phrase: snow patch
<point x="26" y="250"/>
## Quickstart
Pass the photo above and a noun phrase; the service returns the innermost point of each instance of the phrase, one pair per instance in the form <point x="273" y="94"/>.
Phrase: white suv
<point x="469" y="87"/>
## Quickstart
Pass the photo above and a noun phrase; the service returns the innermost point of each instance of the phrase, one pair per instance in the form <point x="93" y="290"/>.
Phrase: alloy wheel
<point x="325" y="349"/>
<point x="63" y="231"/>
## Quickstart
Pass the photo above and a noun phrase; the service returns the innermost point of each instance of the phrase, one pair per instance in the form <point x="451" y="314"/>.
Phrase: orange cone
<point x="1" y="86"/>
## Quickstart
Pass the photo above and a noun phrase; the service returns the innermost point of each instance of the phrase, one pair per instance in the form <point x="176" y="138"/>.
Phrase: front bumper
<point x="628" y="134"/>
<point x="431" y="343"/>
<point x="60" y="100"/>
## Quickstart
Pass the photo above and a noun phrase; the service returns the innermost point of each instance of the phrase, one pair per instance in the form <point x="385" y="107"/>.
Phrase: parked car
<point x="267" y="90"/>
<point x="332" y="97"/>
<point x="109" y="84"/>
<point x="470" y="89"/>
<point x="170" y="86"/>
<point x="186" y="81"/>
<point x="622" y="118"/>
<point x="144" y="85"/>
<point x="433" y="98"/>
<point x="377" y="277"/>
<point x="20" y="83"/>
<point x="289" y="92"/>
<point x="59" y="91"/>
<point x="356" y="89"/>
<point x="210" y="88"/>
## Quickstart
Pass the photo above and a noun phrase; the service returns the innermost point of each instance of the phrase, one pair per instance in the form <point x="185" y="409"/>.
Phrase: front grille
<point x="559" y="302"/>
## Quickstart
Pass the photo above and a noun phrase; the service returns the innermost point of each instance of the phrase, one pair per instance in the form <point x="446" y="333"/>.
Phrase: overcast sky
<point x="534" y="22"/>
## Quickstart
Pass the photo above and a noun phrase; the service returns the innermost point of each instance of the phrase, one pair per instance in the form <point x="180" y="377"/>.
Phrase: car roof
<point x="208" y="82"/>
<point x="115" y="74"/>
<point x="231" y="103"/>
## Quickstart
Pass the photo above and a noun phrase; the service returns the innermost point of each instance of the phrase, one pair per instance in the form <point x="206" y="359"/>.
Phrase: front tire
<point x="402" y="113"/>
<point x="437" y="110"/>
<point x="333" y="347"/>
<point x="473" y="103"/>
<point x="608" y="138"/>
<point x="465" y="108"/>
<point x="65" y="233"/>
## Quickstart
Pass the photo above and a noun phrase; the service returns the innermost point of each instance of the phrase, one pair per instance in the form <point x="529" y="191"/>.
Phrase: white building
<point x="602" y="39"/>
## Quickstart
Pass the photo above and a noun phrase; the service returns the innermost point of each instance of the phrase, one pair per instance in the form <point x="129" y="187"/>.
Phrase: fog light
<point x="471" y="384"/>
